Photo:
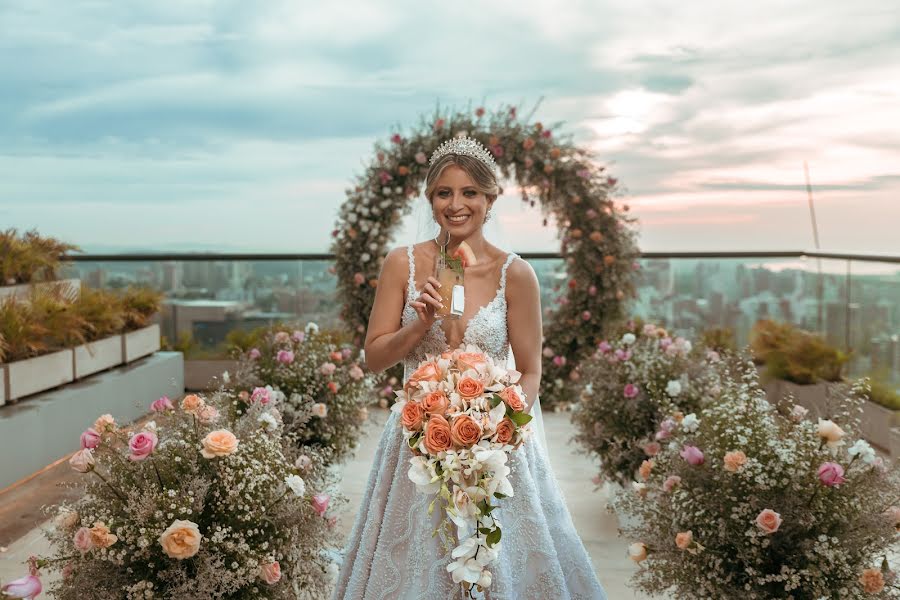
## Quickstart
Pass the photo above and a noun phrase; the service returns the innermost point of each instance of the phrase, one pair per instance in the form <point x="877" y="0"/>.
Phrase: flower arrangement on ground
<point x="461" y="415"/>
<point x="326" y="389"/>
<point x="630" y="386"/>
<point x="194" y="504"/>
<point x="750" y="502"/>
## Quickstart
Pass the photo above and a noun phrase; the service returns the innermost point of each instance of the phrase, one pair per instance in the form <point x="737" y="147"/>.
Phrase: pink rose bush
<point x="746" y="501"/>
<point x="462" y="415"/>
<point x="628" y="387"/>
<point x="321" y="380"/>
<point x="182" y="507"/>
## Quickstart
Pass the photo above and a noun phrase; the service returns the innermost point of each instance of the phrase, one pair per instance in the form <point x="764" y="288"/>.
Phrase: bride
<point x="391" y="553"/>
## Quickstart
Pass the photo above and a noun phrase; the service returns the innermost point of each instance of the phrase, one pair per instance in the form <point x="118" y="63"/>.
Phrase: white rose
<point x="296" y="485"/>
<point x="690" y="423"/>
<point x="312" y="328"/>
<point x="863" y="450"/>
<point x="628" y="338"/>
<point x="320" y="410"/>
<point x="268" y="420"/>
<point x="637" y="552"/>
<point x="673" y="388"/>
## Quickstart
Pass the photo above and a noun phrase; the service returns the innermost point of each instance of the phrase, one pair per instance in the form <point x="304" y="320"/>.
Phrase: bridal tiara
<point x="469" y="147"/>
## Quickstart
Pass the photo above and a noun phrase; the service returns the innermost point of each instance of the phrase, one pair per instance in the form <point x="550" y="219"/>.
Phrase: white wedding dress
<point x="391" y="553"/>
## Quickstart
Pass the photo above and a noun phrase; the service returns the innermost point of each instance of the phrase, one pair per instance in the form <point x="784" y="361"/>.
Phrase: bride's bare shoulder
<point x="520" y="275"/>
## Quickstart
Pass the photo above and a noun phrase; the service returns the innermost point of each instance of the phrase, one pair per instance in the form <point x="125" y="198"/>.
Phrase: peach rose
<point x="768" y="520"/>
<point x="830" y="433"/>
<point x="412" y="416"/>
<point x="465" y="432"/>
<point x="436" y="403"/>
<point x="469" y="387"/>
<point x="193" y="404"/>
<point x="872" y="581"/>
<point x="734" y="460"/>
<point x="101" y="537"/>
<point x="471" y="360"/>
<point x="427" y="372"/>
<point x="437" y="434"/>
<point x="181" y="540"/>
<point x="512" y="398"/>
<point x="104" y="423"/>
<point x="220" y="442"/>
<point x="645" y="469"/>
<point x="505" y="431"/>
<point x="683" y="540"/>
<point x="271" y="573"/>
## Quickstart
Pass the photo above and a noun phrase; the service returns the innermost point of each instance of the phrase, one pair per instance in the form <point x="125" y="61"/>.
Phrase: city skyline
<point x="220" y="126"/>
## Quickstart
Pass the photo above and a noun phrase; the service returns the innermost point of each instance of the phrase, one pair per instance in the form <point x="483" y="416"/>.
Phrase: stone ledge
<point x="44" y="428"/>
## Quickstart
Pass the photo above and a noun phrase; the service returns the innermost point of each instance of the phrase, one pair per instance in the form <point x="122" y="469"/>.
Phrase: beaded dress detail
<point x="391" y="553"/>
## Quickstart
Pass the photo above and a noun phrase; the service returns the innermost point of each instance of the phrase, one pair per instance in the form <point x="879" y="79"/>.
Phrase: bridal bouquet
<point x="194" y="504"/>
<point x="745" y="501"/>
<point x="629" y="387"/>
<point x="461" y="415"/>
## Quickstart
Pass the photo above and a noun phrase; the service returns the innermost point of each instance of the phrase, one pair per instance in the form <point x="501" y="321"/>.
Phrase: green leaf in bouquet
<point x="519" y="418"/>
<point x="493" y="537"/>
<point x="500" y="495"/>
<point x="496" y="400"/>
<point x="484" y="530"/>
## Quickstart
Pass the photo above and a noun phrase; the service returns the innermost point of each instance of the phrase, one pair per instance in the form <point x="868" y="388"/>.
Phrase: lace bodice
<point x="487" y="328"/>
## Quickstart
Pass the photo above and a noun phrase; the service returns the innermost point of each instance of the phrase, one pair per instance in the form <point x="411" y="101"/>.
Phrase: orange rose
<point x="471" y="360"/>
<point x="101" y="536"/>
<point x="734" y="461"/>
<point x="436" y="403"/>
<point x="427" y="372"/>
<point x="469" y="388"/>
<point x="412" y="416"/>
<point x="465" y="432"/>
<point x="645" y="469"/>
<point x="219" y="443"/>
<point x="437" y="434"/>
<point x="505" y="431"/>
<point x="192" y="404"/>
<point x="512" y="399"/>
<point x="683" y="540"/>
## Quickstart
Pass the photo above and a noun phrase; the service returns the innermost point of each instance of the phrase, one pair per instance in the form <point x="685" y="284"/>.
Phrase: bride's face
<point x="458" y="205"/>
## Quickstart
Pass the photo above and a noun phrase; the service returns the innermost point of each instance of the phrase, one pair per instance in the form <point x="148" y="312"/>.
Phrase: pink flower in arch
<point x="254" y="353"/>
<point x="142" y="445"/>
<point x="630" y="390"/>
<point x="285" y="357"/>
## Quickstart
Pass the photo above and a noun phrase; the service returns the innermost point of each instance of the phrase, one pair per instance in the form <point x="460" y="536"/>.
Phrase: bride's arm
<point x="523" y="300"/>
<point x="387" y="340"/>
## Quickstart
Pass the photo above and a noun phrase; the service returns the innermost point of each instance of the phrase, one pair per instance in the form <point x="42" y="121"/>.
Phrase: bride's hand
<point x="428" y="302"/>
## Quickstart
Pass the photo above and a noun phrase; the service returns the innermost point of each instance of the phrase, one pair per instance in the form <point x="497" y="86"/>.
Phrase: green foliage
<point x="720" y="339"/>
<point x="795" y="355"/>
<point x="139" y="305"/>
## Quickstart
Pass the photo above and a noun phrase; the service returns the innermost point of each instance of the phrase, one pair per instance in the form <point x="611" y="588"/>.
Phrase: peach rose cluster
<point x="181" y="539"/>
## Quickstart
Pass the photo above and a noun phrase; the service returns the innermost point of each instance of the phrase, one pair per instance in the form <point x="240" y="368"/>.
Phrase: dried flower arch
<point x="598" y="245"/>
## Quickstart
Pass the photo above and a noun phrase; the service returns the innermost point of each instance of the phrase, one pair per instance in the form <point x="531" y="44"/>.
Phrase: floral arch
<point x="598" y="245"/>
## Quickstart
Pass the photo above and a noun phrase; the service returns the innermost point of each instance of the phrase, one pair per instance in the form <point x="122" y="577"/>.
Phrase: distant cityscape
<point x="207" y="300"/>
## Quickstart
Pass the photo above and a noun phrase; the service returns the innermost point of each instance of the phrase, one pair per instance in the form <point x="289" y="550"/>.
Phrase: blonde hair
<point x="481" y="175"/>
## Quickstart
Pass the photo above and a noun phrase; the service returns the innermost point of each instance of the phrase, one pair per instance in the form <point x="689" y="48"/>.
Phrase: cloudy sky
<point x="233" y="125"/>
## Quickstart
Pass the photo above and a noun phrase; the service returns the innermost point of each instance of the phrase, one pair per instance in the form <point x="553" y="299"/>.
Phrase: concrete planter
<point x="813" y="397"/>
<point x="142" y="342"/>
<point x="24" y="290"/>
<point x="38" y="374"/>
<point x="203" y="375"/>
<point x="877" y="424"/>
<point x="3" y="385"/>
<point x="98" y="356"/>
